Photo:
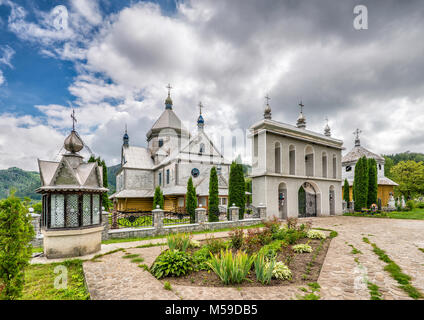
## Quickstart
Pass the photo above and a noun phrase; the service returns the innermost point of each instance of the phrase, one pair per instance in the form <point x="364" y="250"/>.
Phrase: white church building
<point x="295" y="172"/>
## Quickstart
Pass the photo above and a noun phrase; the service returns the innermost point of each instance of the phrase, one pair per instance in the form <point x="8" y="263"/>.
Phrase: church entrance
<point x="332" y="202"/>
<point x="282" y="200"/>
<point x="307" y="200"/>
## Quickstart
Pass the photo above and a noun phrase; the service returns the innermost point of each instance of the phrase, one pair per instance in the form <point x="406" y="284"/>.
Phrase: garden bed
<point x="298" y="267"/>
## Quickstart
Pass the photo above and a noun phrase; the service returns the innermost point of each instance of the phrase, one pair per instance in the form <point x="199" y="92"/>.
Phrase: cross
<point x="169" y="89"/>
<point x="267" y="99"/>
<point x="326" y="119"/>
<point x="301" y="106"/>
<point x="200" y="107"/>
<point x="357" y="132"/>
<point x="74" y="119"/>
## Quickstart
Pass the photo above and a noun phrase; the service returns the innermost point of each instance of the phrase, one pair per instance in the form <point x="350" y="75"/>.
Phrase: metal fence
<point x="175" y="217"/>
<point x="131" y="219"/>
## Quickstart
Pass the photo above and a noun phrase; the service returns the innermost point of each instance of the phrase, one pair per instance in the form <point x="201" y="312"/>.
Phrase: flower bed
<point x="262" y="257"/>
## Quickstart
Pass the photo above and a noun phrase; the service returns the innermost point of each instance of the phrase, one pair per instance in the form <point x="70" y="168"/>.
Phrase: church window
<point x="160" y="143"/>
<point x="324" y="165"/>
<point x="167" y="176"/>
<point x="222" y="201"/>
<point x="202" y="148"/>
<point x="309" y="161"/>
<point x="348" y="168"/>
<point x="292" y="160"/>
<point x="334" y="166"/>
<point x="195" y="172"/>
<point x="160" y="178"/>
<point x="277" y="157"/>
<point x="379" y="166"/>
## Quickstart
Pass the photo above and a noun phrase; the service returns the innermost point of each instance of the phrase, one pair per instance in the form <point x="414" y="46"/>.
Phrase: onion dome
<point x="267" y="112"/>
<point x="73" y="142"/>
<point x="200" y="120"/>
<point x="327" y="130"/>
<point x="168" y="102"/>
<point x="301" y="120"/>
<point x="126" y="138"/>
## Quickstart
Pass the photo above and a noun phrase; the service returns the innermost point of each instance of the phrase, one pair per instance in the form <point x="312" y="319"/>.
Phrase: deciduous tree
<point x="410" y="177"/>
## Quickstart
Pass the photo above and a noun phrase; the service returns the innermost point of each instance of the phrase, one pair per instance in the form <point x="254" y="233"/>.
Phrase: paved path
<point x="341" y="276"/>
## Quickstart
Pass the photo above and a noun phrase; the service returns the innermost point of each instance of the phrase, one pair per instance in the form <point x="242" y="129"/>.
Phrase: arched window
<point x="202" y="148"/>
<point x="309" y="161"/>
<point x="277" y="157"/>
<point x="292" y="160"/>
<point x="324" y="165"/>
<point x="334" y="166"/>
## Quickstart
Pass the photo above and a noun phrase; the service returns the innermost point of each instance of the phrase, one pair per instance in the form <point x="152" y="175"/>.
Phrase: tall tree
<point x="410" y="177"/>
<point x="16" y="232"/>
<point x="213" y="206"/>
<point x="346" y="196"/>
<point x="372" y="182"/>
<point x="248" y="188"/>
<point x="361" y="183"/>
<point x="158" y="199"/>
<point x="191" y="200"/>
<point x="236" y="189"/>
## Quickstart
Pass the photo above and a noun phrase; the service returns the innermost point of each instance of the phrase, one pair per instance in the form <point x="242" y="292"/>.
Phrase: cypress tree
<point x="361" y="184"/>
<point x="191" y="200"/>
<point x="213" y="196"/>
<point x="346" y="196"/>
<point x="372" y="182"/>
<point x="236" y="192"/>
<point x="248" y="188"/>
<point x="158" y="198"/>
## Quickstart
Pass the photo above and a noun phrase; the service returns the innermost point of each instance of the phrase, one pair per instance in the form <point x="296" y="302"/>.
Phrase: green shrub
<point x="273" y="225"/>
<point x="179" y="241"/>
<point x="281" y="271"/>
<point x="270" y="250"/>
<point x="263" y="268"/>
<point x="293" y="236"/>
<point x="172" y="263"/>
<point x="200" y="258"/>
<point x="301" y="248"/>
<point x="236" y="236"/>
<point x="229" y="268"/>
<point x="420" y="205"/>
<point x="410" y="204"/>
<point x="167" y="285"/>
<point x="216" y="245"/>
<point x="16" y="232"/>
<point x="315" y="234"/>
<point x="195" y="244"/>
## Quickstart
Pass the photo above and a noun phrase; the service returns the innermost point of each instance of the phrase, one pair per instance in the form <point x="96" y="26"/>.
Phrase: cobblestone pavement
<point x="341" y="276"/>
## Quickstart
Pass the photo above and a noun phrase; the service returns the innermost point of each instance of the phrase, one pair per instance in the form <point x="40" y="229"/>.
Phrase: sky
<point x="111" y="61"/>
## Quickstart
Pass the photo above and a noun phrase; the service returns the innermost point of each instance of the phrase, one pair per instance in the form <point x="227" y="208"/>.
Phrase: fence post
<point x="200" y="215"/>
<point x="36" y="223"/>
<point x="105" y="223"/>
<point x="262" y="211"/>
<point x="157" y="216"/>
<point x="234" y="212"/>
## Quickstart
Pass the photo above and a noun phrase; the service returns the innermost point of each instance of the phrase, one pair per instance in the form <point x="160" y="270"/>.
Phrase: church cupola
<point x="168" y="101"/>
<point x="327" y="130"/>
<point x="126" y="138"/>
<point x="73" y="143"/>
<point x="200" y="120"/>
<point x="301" y="120"/>
<point x="267" y="111"/>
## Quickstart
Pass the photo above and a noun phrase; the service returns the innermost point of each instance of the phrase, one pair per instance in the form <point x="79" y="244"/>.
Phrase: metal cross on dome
<point x="301" y="106"/>
<point x="200" y="107"/>
<point x="267" y="98"/>
<point x="74" y="119"/>
<point x="169" y="88"/>
<point x="357" y="132"/>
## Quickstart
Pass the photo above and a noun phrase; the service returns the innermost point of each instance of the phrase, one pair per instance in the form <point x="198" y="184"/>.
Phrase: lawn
<point x="40" y="278"/>
<point x="415" y="214"/>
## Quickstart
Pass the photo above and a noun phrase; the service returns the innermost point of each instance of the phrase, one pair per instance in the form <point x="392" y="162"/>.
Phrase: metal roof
<point x="358" y="152"/>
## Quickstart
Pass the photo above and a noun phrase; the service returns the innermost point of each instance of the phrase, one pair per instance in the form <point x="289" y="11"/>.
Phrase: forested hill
<point x="405" y="156"/>
<point x="26" y="182"/>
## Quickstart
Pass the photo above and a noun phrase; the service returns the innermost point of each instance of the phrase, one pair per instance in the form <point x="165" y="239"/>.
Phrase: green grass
<point x="260" y="225"/>
<point x="354" y="250"/>
<point x="37" y="249"/>
<point x="395" y="272"/>
<point x="421" y="249"/>
<point x="39" y="282"/>
<point x="130" y="256"/>
<point x="167" y="286"/>
<point x="137" y="260"/>
<point x="374" y="291"/>
<point x="415" y="214"/>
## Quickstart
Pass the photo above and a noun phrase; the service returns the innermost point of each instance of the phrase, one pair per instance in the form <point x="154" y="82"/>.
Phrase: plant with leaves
<point x="236" y="188"/>
<point x="191" y="200"/>
<point x="409" y="175"/>
<point x="172" y="263"/>
<point x="179" y="241"/>
<point x="213" y="207"/>
<point x="16" y="232"/>
<point x="346" y="196"/>
<point x="236" y="237"/>
<point x="302" y="247"/>
<point x="361" y="184"/>
<point x="158" y="199"/>
<point x="263" y="268"/>
<point x="281" y="271"/>
<point x="372" y="182"/>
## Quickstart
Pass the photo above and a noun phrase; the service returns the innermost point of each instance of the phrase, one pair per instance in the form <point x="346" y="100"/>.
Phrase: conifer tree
<point x="361" y="184"/>
<point x="372" y="182"/>
<point x="191" y="200"/>
<point x="16" y="232"/>
<point x="236" y="190"/>
<point x="213" y="196"/>
<point x="346" y="196"/>
<point x="158" y="199"/>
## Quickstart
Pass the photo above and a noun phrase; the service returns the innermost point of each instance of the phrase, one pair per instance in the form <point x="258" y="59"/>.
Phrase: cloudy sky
<point x="111" y="61"/>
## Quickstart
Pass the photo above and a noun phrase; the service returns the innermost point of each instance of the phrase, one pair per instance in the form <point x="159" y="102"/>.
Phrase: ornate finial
<point x="126" y="138"/>
<point x="301" y="121"/>
<point x="168" y="101"/>
<point x="74" y="119"/>
<point x="357" y="141"/>
<point x="200" y="120"/>
<point x="327" y="130"/>
<point x="267" y="111"/>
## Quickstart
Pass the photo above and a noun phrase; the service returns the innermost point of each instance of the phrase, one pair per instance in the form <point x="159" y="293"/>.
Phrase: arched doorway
<point x="282" y="200"/>
<point x="332" y="201"/>
<point x="307" y="200"/>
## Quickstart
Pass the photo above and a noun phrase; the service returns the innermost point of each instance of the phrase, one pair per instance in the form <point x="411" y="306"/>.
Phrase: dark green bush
<point x="172" y="263"/>
<point x="236" y="236"/>
<point x="200" y="258"/>
<point x="410" y="204"/>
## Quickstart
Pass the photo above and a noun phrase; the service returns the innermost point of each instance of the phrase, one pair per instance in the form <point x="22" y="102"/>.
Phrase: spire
<point x="200" y="120"/>
<point x="168" y="101"/>
<point x="357" y="141"/>
<point x="267" y="111"/>
<point x="327" y="130"/>
<point x="126" y="138"/>
<point x="73" y="143"/>
<point x="301" y="120"/>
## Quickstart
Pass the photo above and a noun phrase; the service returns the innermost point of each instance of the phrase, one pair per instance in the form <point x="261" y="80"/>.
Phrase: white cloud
<point x="1" y="78"/>
<point x="6" y="55"/>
